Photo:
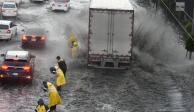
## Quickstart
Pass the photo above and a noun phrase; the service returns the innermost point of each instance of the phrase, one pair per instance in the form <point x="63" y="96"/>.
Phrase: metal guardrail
<point x="176" y="19"/>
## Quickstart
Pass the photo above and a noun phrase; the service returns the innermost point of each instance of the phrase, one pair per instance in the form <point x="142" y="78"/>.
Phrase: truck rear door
<point x="122" y="32"/>
<point x="110" y="32"/>
<point x="98" y="34"/>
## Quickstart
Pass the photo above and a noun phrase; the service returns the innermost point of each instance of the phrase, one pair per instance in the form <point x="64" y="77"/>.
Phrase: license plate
<point x="15" y="74"/>
<point x="59" y="5"/>
<point x="33" y="40"/>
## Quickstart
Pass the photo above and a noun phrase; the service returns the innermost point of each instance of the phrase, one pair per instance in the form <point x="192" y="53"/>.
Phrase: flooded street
<point x="160" y="78"/>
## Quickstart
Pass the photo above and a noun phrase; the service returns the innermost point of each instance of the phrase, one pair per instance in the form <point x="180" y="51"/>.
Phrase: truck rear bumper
<point x="109" y="64"/>
<point x="101" y="67"/>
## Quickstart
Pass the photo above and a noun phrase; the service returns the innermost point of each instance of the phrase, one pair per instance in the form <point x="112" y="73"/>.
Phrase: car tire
<point x="16" y="33"/>
<point x="11" y="37"/>
<point x="3" y="17"/>
<point x="23" y="46"/>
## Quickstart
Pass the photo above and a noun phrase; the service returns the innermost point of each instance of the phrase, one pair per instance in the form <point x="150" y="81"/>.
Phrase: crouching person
<point x="60" y="79"/>
<point x="53" y="97"/>
<point x="41" y="107"/>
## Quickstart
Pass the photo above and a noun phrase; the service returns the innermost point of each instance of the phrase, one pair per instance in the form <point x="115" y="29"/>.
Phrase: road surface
<point x="160" y="79"/>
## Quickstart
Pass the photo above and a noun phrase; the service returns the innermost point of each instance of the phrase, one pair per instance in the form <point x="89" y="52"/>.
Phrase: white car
<point x="9" y="9"/>
<point x="7" y="30"/>
<point x="37" y="0"/>
<point x="60" y="5"/>
<point x="16" y="1"/>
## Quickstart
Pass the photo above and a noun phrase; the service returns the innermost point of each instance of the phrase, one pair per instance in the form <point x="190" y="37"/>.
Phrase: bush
<point x="188" y="26"/>
<point x="190" y="43"/>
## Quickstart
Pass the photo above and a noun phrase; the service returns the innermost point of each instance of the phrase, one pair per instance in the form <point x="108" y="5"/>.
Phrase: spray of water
<point x="156" y="40"/>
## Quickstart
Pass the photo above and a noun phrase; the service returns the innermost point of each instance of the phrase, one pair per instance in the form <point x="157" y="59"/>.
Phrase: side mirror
<point x="2" y="55"/>
<point x="32" y="56"/>
<point x="23" y="30"/>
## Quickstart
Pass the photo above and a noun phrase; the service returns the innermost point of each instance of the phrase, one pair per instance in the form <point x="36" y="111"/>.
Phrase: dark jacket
<point x="62" y="66"/>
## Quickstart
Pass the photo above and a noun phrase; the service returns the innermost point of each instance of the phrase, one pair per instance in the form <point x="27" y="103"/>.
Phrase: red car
<point x="17" y="65"/>
<point x="34" y="37"/>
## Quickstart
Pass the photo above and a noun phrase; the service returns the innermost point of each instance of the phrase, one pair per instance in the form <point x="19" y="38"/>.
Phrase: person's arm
<point x="36" y="109"/>
<point x="46" y="107"/>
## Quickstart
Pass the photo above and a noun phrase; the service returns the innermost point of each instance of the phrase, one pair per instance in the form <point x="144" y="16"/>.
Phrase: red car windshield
<point x="12" y="60"/>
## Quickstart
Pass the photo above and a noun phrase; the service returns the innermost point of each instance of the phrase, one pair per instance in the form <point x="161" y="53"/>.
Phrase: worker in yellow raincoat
<point x="74" y="50"/>
<point x="60" y="78"/>
<point x="41" y="107"/>
<point x="73" y="45"/>
<point x="53" y="97"/>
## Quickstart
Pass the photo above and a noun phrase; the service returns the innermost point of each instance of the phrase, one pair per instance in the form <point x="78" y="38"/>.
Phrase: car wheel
<point x="16" y="33"/>
<point x="3" y="17"/>
<point x="23" y="46"/>
<point x="11" y="37"/>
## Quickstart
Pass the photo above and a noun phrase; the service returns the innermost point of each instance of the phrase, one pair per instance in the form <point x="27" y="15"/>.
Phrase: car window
<point x="4" y="26"/>
<point x="11" y="60"/>
<point x="9" y="6"/>
<point x="61" y="0"/>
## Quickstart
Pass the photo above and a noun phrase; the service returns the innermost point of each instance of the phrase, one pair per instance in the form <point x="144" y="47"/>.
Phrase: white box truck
<point x="110" y="34"/>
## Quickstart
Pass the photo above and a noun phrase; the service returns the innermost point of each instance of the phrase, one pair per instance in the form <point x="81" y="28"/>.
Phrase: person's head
<point x="40" y="101"/>
<point x="75" y="44"/>
<point x="58" y="57"/>
<point x="45" y="84"/>
<point x="53" y="70"/>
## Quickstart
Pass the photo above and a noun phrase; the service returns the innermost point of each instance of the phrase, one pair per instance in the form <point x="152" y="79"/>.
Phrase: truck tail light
<point x="2" y="10"/>
<point x="8" y="31"/>
<point x="26" y="68"/>
<point x="4" y="67"/>
<point x="24" y="38"/>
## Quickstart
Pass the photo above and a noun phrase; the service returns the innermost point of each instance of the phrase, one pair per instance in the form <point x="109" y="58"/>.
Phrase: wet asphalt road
<point x="160" y="79"/>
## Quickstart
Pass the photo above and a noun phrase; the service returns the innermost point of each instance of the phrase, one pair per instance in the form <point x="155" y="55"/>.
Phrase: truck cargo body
<point x="110" y="34"/>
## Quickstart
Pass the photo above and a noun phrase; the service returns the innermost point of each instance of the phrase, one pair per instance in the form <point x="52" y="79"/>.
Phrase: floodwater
<point x="160" y="78"/>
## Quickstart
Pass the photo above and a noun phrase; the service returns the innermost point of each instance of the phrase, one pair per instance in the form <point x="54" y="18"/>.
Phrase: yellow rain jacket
<point x="71" y="39"/>
<point x="54" y="98"/>
<point x="73" y="45"/>
<point x="74" y="50"/>
<point x="60" y="79"/>
<point x="40" y="108"/>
